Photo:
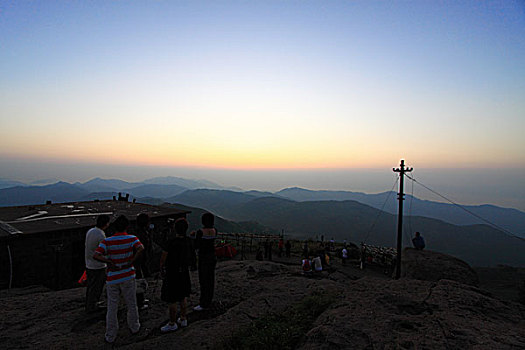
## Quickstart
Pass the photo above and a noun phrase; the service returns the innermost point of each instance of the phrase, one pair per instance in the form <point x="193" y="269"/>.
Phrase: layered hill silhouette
<point x="59" y="192"/>
<point x="508" y="218"/>
<point x="15" y="193"/>
<point x="304" y="213"/>
<point x="479" y="245"/>
<point x="166" y="188"/>
<point x="221" y="224"/>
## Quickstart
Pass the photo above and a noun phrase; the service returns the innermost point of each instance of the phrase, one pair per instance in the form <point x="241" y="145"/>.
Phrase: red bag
<point x="83" y="279"/>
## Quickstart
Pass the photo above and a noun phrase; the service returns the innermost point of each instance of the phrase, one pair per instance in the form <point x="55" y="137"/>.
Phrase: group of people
<point x="315" y="263"/>
<point x="118" y="260"/>
<point x="268" y="248"/>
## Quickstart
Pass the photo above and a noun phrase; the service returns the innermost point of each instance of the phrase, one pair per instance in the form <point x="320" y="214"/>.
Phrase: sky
<point x="266" y="94"/>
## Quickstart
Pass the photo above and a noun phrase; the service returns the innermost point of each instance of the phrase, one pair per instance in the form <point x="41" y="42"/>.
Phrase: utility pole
<point x="401" y="197"/>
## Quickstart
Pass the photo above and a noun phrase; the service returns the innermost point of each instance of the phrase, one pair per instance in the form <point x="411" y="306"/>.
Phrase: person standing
<point x="266" y="249"/>
<point x="119" y="252"/>
<point x="95" y="270"/>
<point x="142" y="263"/>
<point x="144" y="236"/>
<point x="306" y="252"/>
<point x="205" y="244"/>
<point x="344" y="255"/>
<point x="270" y="248"/>
<point x="174" y="265"/>
<point x="281" y="247"/>
<point x="288" y="248"/>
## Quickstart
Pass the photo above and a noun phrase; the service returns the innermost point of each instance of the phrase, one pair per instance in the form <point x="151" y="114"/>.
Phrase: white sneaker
<point x="198" y="308"/>
<point x="183" y="323"/>
<point x="169" y="328"/>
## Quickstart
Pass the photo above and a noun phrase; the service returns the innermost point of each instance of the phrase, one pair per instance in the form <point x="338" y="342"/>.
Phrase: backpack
<point x="306" y="265"/>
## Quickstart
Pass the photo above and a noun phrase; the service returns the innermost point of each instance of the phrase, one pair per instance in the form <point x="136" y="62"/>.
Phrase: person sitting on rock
<point x="307" y="266"/>
<point x="418" y="241"/>
<point x="318" y="267"/>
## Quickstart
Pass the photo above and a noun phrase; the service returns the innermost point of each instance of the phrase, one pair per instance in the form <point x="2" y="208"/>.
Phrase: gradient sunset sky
<point x="263" y="84"/>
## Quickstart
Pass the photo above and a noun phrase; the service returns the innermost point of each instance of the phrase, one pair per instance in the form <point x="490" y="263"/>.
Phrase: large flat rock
<point x="413" y="314"/>
<point x="427" y="265"/>
<point x="370" y="313"/>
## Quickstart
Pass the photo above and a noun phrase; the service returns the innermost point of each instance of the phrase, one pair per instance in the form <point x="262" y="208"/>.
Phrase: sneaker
<point x="136" y="332"/>
<point x="198" y="308"/>
<point x="169" y="327"/>
<point x="183" y="323"/>
<point x="109" y="344"/>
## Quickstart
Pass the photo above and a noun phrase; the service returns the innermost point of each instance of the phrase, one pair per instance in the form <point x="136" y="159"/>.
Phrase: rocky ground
<point x="371" y="311"/>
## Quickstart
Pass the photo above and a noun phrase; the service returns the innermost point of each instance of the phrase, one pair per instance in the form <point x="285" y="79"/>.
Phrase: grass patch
<point x="280" y="331"/>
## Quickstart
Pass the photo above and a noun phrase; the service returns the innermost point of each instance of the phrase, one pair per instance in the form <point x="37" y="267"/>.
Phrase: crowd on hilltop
<point x="120" y="262"/>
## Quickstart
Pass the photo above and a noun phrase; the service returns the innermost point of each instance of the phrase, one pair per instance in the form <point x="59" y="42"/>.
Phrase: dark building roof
<point x="30" y="219"/>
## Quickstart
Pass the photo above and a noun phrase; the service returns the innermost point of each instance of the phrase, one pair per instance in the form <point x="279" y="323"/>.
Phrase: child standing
<point x="174" y="263"/>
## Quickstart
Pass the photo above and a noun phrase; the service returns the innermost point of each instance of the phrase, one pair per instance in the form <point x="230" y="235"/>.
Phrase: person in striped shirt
<point x="119" y="252"/>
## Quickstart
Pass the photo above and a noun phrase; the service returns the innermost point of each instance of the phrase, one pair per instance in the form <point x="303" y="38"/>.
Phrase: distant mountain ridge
<point x="480" y="245"/>
<point x="101" y="185"/>
<point x="166" y="189"/>
<point x="187" y="183"/>
<point x="508" y="218"/>
<point x="59" y="192"/>
<point x="10" y="183"/>
<point x="17" y="193"/>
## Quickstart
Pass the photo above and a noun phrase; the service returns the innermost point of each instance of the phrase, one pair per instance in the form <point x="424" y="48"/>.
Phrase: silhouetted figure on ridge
<point x="288" y="248"/>
<point x="418" y="241"/>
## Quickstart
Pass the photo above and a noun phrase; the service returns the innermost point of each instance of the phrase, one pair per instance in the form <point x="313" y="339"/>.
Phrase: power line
<point x="468" y="211"/>
<point x="410" y="207"/>
<point x="381" y="210"/>
<point x="407" y="227"/>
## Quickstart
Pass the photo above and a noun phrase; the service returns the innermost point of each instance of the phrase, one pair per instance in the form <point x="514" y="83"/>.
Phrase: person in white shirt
<point x="95" y="270"/>
<point x="317" y="264"/>
<point x="344" y="255"/>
